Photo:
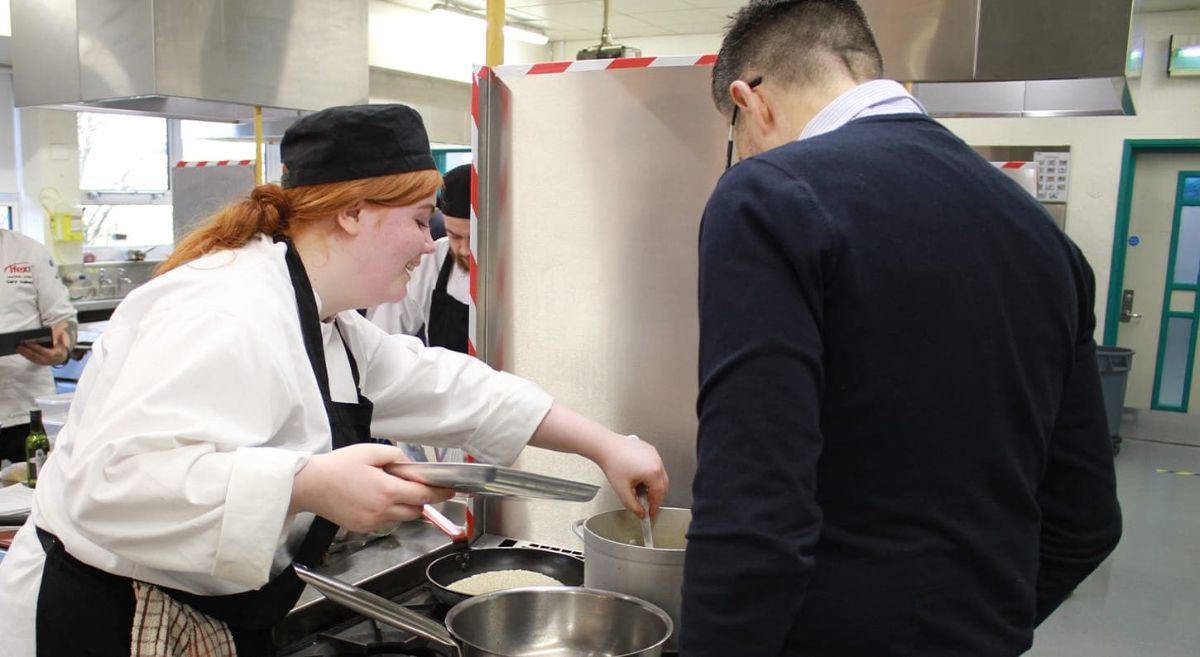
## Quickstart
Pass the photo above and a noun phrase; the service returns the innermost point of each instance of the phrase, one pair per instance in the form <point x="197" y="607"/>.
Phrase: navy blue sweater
<point x="902" y="447"/>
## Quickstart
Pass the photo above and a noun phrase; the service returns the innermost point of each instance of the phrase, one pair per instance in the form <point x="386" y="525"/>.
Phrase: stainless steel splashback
<point x="594" y="183"/>
<point x="200" y="59"/>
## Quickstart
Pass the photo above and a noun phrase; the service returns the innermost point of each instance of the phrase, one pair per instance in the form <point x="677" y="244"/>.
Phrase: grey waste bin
<point x="1114" y="364"/>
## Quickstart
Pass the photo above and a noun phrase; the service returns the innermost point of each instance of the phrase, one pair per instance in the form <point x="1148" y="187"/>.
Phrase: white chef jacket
<point x="31" y="296"/>
<point x="198" y="407"/>
<point x="408" y="315"/>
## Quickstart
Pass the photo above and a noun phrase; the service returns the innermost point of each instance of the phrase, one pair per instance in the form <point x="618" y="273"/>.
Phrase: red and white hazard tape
<point x="482" y="73"/>
<point x="543" y="68"/>
<point x="214" y="163"/>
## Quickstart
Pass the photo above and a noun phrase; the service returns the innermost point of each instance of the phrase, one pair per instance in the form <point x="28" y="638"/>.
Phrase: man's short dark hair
<point x="790" y="41"/>
<point x="456" y="193"/>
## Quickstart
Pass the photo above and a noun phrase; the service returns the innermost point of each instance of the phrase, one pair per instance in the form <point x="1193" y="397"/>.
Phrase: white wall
<point x="1167" y="108"/>
<point x="8" y="146"/>
<point x="418" y="42"/>
<point x="444" y="105"/>
<point x="48" y="150"/>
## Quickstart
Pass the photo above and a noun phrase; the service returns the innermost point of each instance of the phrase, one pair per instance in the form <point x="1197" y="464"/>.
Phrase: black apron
<point x="85" y="611"/>
<point x="448" y="317"/>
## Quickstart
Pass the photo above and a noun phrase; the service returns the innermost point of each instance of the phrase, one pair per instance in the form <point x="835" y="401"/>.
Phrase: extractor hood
<point x="1007" y="57"/>
<point x="196" y="59"/>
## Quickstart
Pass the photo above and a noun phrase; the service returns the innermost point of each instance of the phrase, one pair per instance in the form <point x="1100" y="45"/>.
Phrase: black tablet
<point x="10" y="341"/>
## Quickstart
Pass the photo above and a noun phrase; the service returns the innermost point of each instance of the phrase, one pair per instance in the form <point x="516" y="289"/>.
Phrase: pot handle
<point x="376" y="607"/>
<point x="577" y="527"/>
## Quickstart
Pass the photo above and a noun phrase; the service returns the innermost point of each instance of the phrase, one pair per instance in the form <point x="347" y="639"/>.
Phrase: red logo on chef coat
<point x="19" y="268"/>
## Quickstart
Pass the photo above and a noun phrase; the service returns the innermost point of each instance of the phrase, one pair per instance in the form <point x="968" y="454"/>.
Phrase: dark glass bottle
<point x="37" y="448"/>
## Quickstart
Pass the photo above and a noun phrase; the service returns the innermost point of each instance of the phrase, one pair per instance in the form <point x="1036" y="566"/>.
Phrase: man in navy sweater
<point x="902" y="447"/>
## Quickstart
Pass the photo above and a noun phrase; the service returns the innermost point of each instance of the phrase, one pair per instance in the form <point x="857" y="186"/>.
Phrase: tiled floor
<point x="1145" y="600"/>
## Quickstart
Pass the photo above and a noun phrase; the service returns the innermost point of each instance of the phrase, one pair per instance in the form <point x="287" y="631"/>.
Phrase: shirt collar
<point x="873" y="98"/>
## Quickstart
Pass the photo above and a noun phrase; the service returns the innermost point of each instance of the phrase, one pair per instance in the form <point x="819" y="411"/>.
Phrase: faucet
<point x="123" y="283"/>
<point x="105" y="288"/>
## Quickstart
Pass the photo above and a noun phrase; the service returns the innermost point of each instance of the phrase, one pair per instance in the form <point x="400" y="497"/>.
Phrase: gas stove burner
<point x="326" y="646"/>
<point x="364" y="636"/>
<point x="371" y="638"/>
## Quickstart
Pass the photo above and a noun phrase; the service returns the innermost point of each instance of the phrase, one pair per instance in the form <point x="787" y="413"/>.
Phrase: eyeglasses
<point x="733" y="122"/>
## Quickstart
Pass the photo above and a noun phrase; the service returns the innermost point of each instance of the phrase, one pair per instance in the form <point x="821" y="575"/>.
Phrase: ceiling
<point x="571" y="20"/>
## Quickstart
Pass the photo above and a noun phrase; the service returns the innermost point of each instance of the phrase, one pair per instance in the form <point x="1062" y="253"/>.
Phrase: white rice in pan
<point x="499" y="580"/>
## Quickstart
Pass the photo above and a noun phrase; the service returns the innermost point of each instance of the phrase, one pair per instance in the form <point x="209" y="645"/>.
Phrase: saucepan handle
<point x="456" y="533"/>
<point x="577" y="527"/>
<point x="376" y="607"/>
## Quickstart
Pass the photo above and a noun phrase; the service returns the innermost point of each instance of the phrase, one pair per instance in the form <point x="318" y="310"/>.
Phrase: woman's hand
<point x="349" y="488"/>
<point x="626" y="461"/>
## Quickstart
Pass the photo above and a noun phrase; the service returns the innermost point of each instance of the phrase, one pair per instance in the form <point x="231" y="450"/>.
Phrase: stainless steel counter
<point x="384" y="566"/>
<point x="95" y="304"/>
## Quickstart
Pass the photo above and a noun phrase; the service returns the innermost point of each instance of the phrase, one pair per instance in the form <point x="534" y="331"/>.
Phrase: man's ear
<point x="350" y="219"/>
<point x="754" y="105"/>
<point x="760" y="111"/>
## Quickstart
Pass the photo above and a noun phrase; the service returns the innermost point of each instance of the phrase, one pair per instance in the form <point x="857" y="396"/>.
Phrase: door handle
<point x="1127" y="314"/>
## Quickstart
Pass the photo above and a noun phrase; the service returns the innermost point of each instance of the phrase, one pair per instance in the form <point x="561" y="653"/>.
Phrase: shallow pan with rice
<point x="499" y="568"/>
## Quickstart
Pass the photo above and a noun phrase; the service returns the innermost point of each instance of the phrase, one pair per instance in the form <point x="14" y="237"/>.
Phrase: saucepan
<point x="447" y="571"/>
<point x="524" y="622"/>
<point x="617" y="559"/>
<point x="138" y="255"/>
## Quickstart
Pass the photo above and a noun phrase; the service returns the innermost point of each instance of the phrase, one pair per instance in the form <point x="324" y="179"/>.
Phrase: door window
<point x="1191" y="189"/>
<point x="1187" y="250"/>
<point x="1177" y="355"/>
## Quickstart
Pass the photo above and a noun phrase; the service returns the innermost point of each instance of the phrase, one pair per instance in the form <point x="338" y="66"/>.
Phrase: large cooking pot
<point x="616" y="560"/>
<point x="445" y="571"/>
<point x="530" y="622"/>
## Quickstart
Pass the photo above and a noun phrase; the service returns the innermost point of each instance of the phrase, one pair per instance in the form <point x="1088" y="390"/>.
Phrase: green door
<point x="1154" y="311"/>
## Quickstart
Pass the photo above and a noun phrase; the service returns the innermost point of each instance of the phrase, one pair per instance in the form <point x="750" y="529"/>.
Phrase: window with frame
<point x="124" y="170"/>
<point x="124" y="177"/>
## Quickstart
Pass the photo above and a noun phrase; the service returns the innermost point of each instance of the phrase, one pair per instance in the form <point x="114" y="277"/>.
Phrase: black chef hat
<point x="456" y="196"/>
<point x="353" y="142"/>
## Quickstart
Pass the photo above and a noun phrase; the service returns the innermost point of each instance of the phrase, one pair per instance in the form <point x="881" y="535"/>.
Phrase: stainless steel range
<point x="392" y="567"/>
<point x="363" y="636"/>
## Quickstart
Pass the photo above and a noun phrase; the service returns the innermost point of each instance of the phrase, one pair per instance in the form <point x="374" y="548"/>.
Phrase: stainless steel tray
<point x="484" y="479"/>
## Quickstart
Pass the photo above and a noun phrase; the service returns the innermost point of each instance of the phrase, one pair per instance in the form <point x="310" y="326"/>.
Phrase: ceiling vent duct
<point x="1007" y="57"/>
<point x="209" y="60"/>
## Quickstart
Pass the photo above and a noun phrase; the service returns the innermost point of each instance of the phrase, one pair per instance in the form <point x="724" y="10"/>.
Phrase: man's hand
<point x="55" y="354"/>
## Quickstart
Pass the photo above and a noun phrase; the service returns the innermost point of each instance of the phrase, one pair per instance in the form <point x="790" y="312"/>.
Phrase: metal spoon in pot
<point x="647" y="534"/>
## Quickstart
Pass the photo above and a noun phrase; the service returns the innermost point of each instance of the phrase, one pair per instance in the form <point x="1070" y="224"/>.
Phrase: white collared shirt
<point x="874" y="98"/>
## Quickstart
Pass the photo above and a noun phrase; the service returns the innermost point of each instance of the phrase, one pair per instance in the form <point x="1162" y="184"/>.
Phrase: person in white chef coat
<point x="439" y="293"/>
<point x="217" y="435"/>
<point x="31" y="296"/>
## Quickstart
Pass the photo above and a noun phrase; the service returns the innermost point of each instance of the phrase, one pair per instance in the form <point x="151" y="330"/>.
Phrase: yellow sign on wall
<point x="66" y="220"/>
